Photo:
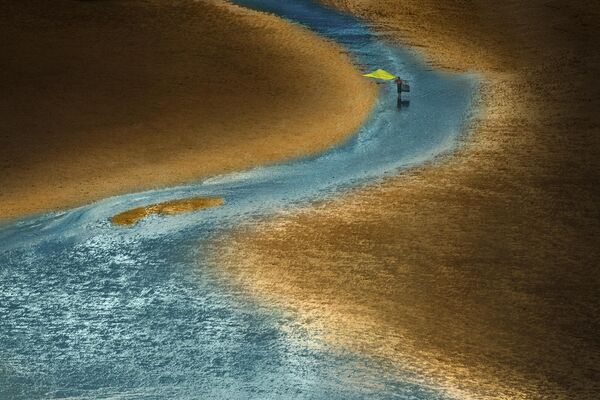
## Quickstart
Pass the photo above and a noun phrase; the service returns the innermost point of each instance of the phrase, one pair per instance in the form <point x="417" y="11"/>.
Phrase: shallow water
<point x="88" y="309"/>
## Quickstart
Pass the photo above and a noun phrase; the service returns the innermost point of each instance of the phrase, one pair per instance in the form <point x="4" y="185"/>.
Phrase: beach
<point x="102" y="98"/>
<point x="478" y="272"/>
<point x="117" y="298"/>
<point x="473" y="275"/>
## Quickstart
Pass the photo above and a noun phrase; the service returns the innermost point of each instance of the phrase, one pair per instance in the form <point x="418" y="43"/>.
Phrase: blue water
<point x="89" y="310"/>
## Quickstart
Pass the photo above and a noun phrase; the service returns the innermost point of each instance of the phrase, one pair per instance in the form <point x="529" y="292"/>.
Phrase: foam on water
<point x="90" y="310"/>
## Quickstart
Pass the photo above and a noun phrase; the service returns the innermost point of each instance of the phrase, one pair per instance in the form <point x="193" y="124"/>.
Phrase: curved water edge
<point x="90" y="309"/>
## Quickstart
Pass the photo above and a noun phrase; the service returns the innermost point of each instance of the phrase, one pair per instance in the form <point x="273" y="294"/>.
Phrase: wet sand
<point x="479" y="272"/>
<point x="173" y="207"/>
<point x="106" y="97"/>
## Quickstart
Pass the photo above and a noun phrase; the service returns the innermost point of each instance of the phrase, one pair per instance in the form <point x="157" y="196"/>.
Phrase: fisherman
<point x="402" y="87"/>
<point x="400" y="83"/>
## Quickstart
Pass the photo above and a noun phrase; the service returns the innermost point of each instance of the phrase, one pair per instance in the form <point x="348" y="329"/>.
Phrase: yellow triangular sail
<point x="380" y="74"/>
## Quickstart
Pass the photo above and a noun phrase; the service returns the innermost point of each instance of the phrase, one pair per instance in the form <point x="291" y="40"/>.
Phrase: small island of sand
<point x="172" y="207"/>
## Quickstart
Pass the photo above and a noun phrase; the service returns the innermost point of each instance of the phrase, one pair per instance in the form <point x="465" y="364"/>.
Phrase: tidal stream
<point x="93" y="310"/>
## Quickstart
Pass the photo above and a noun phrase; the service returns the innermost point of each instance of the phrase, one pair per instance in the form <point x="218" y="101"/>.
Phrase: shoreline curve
<point x="121" y="97"/>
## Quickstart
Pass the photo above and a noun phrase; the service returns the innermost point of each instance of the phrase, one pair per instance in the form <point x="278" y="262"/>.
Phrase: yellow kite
<point x="380" y="74"/>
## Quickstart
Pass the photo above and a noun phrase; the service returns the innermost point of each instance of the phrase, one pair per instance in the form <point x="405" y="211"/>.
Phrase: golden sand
<point x="172" y="207"/>
<point x="105" y="97"/>
<point x="481" y="272"/>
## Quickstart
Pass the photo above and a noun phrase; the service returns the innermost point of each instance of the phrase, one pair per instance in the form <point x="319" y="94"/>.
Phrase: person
<point x="402" y="87"/>
<point x="399" y="82"/>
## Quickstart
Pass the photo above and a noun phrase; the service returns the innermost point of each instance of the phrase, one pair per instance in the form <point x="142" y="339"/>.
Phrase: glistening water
<point x="90" y="310"/>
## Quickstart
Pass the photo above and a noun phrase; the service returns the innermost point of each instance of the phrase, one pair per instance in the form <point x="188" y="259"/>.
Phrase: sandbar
<point x="173" y="207"/>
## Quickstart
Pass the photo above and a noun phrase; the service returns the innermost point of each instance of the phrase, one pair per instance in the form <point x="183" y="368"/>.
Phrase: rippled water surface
<point x="89" y="310"/>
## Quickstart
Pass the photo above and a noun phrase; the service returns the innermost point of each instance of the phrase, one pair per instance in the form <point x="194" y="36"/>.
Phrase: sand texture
<point x="105" y="97"/>
<point x="173" y="207"/>
<point x="481" y="272"/>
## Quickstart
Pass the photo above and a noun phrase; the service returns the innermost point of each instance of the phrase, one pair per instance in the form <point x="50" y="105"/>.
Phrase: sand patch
<point x="108" y="97"/>
<point x="172" y="207"/>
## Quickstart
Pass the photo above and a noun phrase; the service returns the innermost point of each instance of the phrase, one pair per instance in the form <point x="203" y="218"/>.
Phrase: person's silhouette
<point x="402" y="87"/>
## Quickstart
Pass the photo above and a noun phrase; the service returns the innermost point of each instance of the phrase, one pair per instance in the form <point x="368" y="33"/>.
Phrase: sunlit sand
<point x="172" y="207"/>
<point x="190" y="89"/>
<point x="480" y="271"/>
